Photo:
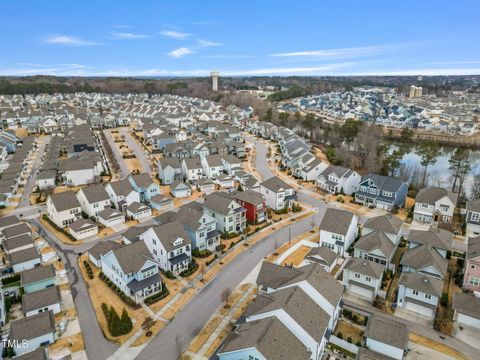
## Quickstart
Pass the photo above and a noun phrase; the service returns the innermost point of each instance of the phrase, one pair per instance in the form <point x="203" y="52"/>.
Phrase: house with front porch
<point x="338" y="180"/>
<point x="254" y="203"/>
<point x="169" y="246"/>
<point x="338" y="230"/>
<point x="169" y="170"/>
<point x="380" y="191"/>
<point x="133" y="270"/>
<point x="434" y="204"/>
<point x="144" y="185"/>
<point x="63" y="208"/>
<point x="228" y="213"/>
<point x="122" y="194"/>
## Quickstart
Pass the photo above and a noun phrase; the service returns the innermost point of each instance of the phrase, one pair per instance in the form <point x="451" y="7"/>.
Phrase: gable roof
<point x="336" y="221"/>
<point x="387" y="331"/>
<point x="466" y="304"/>
<point x="473" y="250"/>
<point x="275" y="184"/>
<point x="365" y="267"/>
<point x="36" y="274"/>
<point x="103" y="247"/>
<point x="270" y="337"/>
<point x="219" y="202"/>
<point x="82" y="224"/>
<point x="168" y="233"/>
<point x="32" y="327"/>
<point x="376" y="240"/>
<point x="327" y="255"/>
<point x="64" y="201"/>
<point x="249" y="196"/>
<point x="132" y="257"/>
<point x="421" y="282"/>
<point x="95" y="193"/>
<point x="41" y="298"/>
<point x="432" y="194"/>
<point x="122" y="187"/>
<point x="387" y="223"/>
<point x="437" y="238"/>
<point x="142" y="180"/>
<point x="423" y="257"/>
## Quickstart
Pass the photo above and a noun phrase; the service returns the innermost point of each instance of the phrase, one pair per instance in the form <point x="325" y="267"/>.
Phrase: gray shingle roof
<point x="132" y="257"/>
<point x="423" y="257"/>
<point x="467" y="304"/>
<point x="275" y="184"/>
<point x="169" y="233"/>
<point x="365" y="267"/>
<point x="103" y="247"/>
<point x="473" y="250"/>
<point x="32" y="327"/>
<point x="82" y="225"/>
<point x="438" y="238"/>
<point x="16" y="230"/>
<point x="249" y="196"/>
<point x="36" y="274"/>
<point x="64" y="201"/>
<point x="432" y="194"/>
<point x="336" y="221"/>
<point x="422" y="283"/>
<point x="41" y="299"/>
<point x="8" y="221"/>
<point x="95" y="193"/>
<point x="22" y="256"/>
<point x="17" y="242"/>
<point x="387" y="331"/>
<point x="376" y="240"/>
<point x="386" y="223"/>
<point x="367" y="354"/>
<point x="270" y="337"/>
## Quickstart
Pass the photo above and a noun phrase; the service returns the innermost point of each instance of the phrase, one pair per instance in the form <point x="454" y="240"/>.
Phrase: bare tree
<point x="179" y="346"/>
<point x="226" y="296"/>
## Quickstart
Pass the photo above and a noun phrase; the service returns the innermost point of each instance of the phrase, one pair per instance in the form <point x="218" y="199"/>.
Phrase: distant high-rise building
<point x="215" y="75"/>
<point x="415" y="91"/>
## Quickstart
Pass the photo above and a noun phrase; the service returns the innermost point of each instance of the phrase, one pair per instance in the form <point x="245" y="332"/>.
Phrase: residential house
<point x="48" y="299"/>
<point x="254" y="203"/>
<point x="122" y="194"/>
<point x="7" y="221"/>
<point x="33" y="332"/>
<point x="435" y="204"/>
<point x="169" y="170"/>
<point x="467" y="310"/>
<point x="133" y="270"/>
<point x="386" y="336"/>
<point x="225" y="181"/>
<point x="24" y="259"/>
<point x="212" y="166"/>
<point x="169" y="245"/>
<point x="471" y="279"/>
<point x="101" y="248"/>
<point x="383" y="192"/>
<point x="109" y="217"/>
<point x="419" y="293"/>
<point x="161" y="202"/>
<point x="18" y="243"/>
<point x="46" y="179"/>
<point x="63" y="208"/>
<point x="230" y="216"/>
<point x="38" y="278"/>
<point x="363" y="277"/>
<point x="338" y="230"/>
<point x="277" y="193"/>
<point x="93" y="200"/>
<point x="473" y="218"/>
<point x="322" y="256"/>
<point x="231" y="164"/>
<point x="192" y="169"/>
<point x="180" y="189"/>
<point x="138" y="211"/>
<point x="338" y="180"/>
<point x="144" y="185"/>
<point x="83" y="228"/>
<point x="205" y="185"/>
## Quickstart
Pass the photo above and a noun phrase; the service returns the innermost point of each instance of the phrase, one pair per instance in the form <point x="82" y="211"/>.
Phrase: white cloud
<point x="69" y="40"/>
<point x="313" y="70"/>
<point x="128" y="36"/>
<point x="27" y="69"/>
<point x="175" y="34"/>
<point x="416" y="72"/>
<point x="208" y="43"/>
<point x="180" y="52"/>
<point x="338" y="53"/>
<point x="227" y="56"/>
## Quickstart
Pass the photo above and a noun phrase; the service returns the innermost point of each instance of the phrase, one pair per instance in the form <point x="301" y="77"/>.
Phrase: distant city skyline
<point x="247" y="38"/>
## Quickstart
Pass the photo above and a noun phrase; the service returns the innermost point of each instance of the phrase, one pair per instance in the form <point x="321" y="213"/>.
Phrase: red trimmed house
<point x="254" y="202"/>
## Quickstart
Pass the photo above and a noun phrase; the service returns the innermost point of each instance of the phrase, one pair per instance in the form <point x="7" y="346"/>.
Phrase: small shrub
<point x="220" y="247"/>
<point x="340" y="335"/>
<point x="349" y="339"/>
<point x="444" y="300"/>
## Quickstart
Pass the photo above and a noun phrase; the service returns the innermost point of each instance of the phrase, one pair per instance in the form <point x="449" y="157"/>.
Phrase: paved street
<point x="124" y="172"/>
<point x="27" y="190"/>
<point x="139" y="151"/>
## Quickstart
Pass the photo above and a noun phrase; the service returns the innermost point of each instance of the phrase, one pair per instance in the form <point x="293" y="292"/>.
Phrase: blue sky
<point x="262" y="37"/>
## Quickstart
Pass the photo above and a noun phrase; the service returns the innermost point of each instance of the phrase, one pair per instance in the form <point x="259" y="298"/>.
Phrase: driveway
<point x="140" y="152"/>
<point x="28" y="188"/>
<point x="124" y="171"/>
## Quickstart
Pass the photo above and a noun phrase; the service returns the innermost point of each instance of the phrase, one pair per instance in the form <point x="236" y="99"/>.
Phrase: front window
<point x="415" y="292"/>
<point x="475" y="216"/>
<point x="474" y="281"/>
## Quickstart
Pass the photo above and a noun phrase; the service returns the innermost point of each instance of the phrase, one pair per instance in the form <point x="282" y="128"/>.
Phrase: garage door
<point x="468" y="320"/>
<point x="361" y="291"/>
<point x="422" y="310"/>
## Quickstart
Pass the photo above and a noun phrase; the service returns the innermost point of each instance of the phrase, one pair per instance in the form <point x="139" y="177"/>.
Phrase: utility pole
<point x="289" y="235"/>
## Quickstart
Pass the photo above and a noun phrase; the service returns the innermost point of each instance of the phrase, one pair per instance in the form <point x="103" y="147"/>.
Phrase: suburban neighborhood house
<point x="363" y="277"/>
<point x="277" y="193"/>
<point x="229" y="214"/>
<point x="338" y="180"/>
<point x="93" y="200"/>
<point x="387" y="337"/>
<point x="471" y="280"/>
<point x="63" y="208"/>
<point x="133" y="270"/>
<point x="473" y="218"/>
<point x="338" y="230"/>
<point x="381" y="191"/>
<point x="435" y="205"/>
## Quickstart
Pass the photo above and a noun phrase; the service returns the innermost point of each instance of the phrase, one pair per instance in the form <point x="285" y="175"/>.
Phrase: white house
<point x="278" y="194"/>
<point x="212" y="166"/>
<point x="169" y="245"/>
<point x="386" y="336"/>
<point x="24" y="259"/>
<point x="42" y="300"/>
<point x="435" y="204"/>
<point x="337" y="179"/>
<point x="93" y="200"/>
<point x="169" y="170"/>
<point x="180" y="189"/>
<point x="138" y="211"/>
<point x="228" y="213"/>
<point x="83" y="228"/>
<point x="231" y="164"/>
<point x="473" y="218"/>
<point x="192" y="169"/>
<point x="110" y="217"/>
<point x="363" y="277"/>
<point x="467" y="310"/>
<point x="63" y="208"/>
<point x="122" y="194"/>
<point x="323" y="256"/>
<point x="338" y="230"/>
<point x="419" y="293"/>
<point x="38" y="330"/>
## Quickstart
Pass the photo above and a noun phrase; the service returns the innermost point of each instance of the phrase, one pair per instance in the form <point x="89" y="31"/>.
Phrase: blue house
<point x="159" y="142"/>
<point x="9" y="140"/>
<point x="132" y="269"/>
<point x="383" y="192"/>
<point x="144" y="185"/>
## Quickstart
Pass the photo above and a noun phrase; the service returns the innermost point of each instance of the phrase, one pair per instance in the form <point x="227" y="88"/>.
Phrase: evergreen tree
<point x="114" y="323"/>
<point x="126" y="322"/>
